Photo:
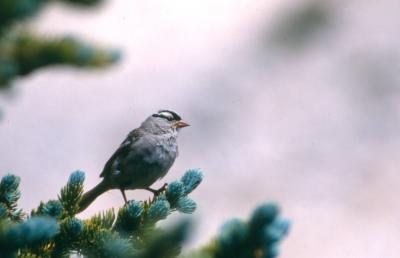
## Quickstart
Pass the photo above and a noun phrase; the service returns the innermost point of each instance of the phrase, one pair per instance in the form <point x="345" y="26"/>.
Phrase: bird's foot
<point x="163" y="188"/>
<point x="158" y="191"/>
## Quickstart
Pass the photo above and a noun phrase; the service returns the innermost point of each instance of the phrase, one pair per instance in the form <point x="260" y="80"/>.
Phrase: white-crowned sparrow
<point x="145" y="156"/>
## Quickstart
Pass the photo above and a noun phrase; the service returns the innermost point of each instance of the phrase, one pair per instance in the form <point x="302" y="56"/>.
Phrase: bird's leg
<point x="158" y="191"/>
<point x="123" y="195"/>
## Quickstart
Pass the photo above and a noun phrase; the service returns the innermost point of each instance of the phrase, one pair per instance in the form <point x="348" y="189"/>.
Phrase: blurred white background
<point x="296" y="102"/>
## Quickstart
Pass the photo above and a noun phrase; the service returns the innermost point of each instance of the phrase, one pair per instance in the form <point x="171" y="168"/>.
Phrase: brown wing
<point x="121" y="152"/>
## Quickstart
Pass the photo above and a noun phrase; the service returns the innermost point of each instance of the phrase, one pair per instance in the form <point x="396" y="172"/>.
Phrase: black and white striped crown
<point x="168" y="114"/>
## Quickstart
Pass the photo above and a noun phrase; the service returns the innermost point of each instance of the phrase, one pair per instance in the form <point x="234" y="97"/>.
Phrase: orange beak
<point x="181" y="124"/>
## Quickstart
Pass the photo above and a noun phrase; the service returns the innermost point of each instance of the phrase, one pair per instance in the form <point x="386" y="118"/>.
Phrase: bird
<point x="145" y="156"/>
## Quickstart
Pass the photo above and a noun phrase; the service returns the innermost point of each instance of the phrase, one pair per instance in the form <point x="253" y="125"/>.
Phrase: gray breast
<point x="149" y="160"/>
<point x="165" y="153"/>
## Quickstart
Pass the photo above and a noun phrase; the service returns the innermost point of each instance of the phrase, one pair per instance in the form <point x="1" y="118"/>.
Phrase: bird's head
<point x="164" y="121"/>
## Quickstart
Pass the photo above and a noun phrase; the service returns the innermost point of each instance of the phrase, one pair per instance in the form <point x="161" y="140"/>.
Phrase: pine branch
<point x="104" y="220"/>
<point x="142" y="216"/>
<point x="54" y="231"/>
<point x="258" y="238"/>
<point x="30" y="234"/>
<point x="24" y="53"/>
<point x="166" y="244"/>
<point x="9" y="196"/>
<point x="52" y="208"/>
<point x="71" y="194"/>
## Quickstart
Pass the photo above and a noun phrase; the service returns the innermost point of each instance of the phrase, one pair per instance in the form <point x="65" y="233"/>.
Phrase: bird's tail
<point x="91" y="195"/>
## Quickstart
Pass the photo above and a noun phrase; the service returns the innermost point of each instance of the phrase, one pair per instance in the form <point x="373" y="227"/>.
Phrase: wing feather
<point x="120" y="153"/>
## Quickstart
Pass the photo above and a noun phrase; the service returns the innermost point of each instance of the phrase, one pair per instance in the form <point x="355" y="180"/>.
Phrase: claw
<point x="158" y="191"/>
<point x="163" y="188"/>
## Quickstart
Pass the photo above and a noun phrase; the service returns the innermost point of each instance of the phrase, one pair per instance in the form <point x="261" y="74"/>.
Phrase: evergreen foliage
<point x="9" y="195"/>
<point x="53" y="230"/>
<point x="257" y="238"/>
<point x="22" y="52"/>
